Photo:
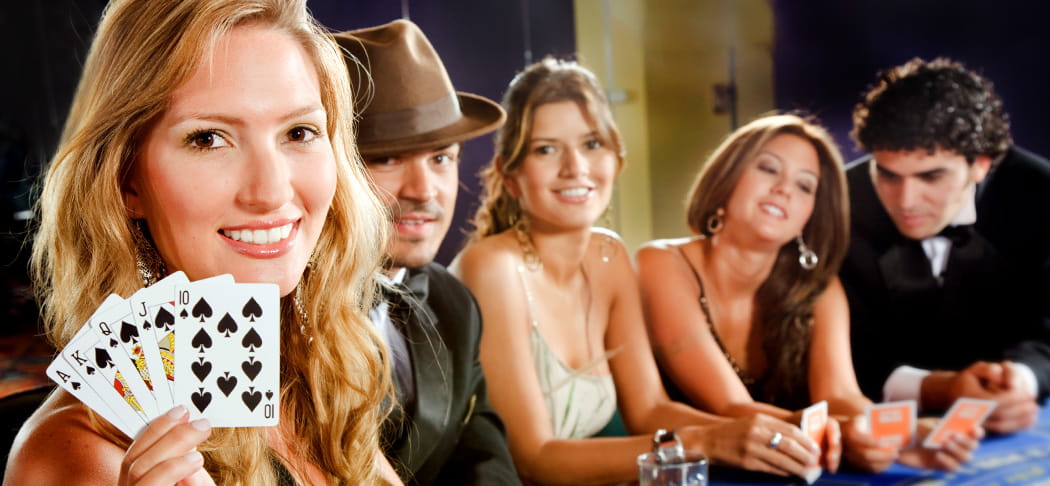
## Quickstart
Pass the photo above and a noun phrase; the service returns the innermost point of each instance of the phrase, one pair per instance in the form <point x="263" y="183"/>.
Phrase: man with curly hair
<point x="948" y="271"/>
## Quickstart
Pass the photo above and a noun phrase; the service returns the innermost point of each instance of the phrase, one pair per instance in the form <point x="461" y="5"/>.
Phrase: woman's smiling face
<point x="238" y="174"/>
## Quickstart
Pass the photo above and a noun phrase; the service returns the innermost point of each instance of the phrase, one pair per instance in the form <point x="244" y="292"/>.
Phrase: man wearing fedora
<point x="444" y="431"/>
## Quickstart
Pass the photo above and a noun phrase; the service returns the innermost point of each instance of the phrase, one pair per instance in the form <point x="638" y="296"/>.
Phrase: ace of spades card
<point x="227" y="352"/>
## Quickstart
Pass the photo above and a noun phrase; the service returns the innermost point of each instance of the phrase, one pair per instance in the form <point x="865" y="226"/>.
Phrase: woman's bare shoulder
<point x="58" y="445"/>
<point x="497" y="251"/>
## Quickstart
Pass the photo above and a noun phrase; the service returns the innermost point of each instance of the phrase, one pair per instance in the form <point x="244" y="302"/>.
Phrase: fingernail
<point x="194" y="457"/>
<point x="177" y="412"/>
<point x="201" y="424"/>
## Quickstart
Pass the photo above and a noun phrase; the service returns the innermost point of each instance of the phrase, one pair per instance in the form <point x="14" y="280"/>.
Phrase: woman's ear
<point x="510" y="183"/>
<point x="132" y="201"/>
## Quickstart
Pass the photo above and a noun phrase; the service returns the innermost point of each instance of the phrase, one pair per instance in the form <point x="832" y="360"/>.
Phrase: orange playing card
<point x="963" y="417"/>
<point x="892" y="424"/>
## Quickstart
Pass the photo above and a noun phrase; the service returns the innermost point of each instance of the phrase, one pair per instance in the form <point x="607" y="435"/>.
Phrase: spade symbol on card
<point x="227" y="325"/>
<point x="112" y="343"/>
<point x="251" y="310"/>
<point x="76" y="385"/>
<point x="201" y="340"/>
<point x="252" y="340"/>
<point x="251" y="368"/>
<point x="89" y="370"/>
<point x="269" y="394"/>
<point x="164" y="319"/>
<point x="226" y="383"/>
<point x="201" y="399"/>
<point x="184" y="314"/>
<point x="128" y="332"/>
<point x="201" y="369"/>
<point x="202" y="310"/>
<point x="251" y="400"/>
<point x="102" y="358"/>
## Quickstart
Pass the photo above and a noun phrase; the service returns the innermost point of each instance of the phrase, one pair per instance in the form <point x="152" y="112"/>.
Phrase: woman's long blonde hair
<point x="546" y="81"/>
<point x="783" y="306"/>
<point x="333" y="388"/>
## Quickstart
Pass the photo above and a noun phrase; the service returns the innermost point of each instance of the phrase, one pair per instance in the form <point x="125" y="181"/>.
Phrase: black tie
<point x="958" y="234"/>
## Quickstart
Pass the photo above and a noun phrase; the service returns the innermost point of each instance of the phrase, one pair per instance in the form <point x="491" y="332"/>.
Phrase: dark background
<point x="826" y="52"/>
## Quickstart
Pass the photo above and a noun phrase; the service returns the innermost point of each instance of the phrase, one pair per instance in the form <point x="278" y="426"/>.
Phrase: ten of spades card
<point x="227" y="352"/>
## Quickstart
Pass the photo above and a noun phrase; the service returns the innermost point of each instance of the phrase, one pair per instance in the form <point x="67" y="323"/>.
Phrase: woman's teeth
<point x="260" y="236"/>
<point x="771" y="209"/>
<point x="575" y="192"/>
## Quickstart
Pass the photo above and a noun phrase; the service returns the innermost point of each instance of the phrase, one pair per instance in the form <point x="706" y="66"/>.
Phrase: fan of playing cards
<point x="211" y="345"/>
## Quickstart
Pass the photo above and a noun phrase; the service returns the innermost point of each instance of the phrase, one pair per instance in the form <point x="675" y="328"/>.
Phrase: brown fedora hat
<point x="414" y="105"/>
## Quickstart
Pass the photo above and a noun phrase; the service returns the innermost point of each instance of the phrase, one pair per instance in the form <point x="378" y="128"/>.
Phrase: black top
<point x="992" y="302"/>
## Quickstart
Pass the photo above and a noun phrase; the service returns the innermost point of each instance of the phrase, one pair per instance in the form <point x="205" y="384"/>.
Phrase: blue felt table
<point x="1018" y="459"/>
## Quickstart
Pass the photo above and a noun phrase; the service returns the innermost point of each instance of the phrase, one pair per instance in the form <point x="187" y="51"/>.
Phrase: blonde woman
<point x="195" y="118"/>
<point x="564" y="344"/>
<point x="754" y="299"/>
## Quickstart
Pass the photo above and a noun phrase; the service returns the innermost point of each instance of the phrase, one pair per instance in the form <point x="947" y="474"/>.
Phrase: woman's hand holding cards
<point x="166" y="452"/>
<point x="862" y="450"/>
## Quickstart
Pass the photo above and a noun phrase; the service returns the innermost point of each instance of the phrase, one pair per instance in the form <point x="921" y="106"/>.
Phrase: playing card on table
<point x="892" y="424"/>
<point x="962" y="418"/>
<point x="153" y="313"/>
<point x="227" y="352"/>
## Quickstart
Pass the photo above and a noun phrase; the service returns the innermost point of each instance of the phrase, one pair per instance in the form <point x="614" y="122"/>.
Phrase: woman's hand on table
<point x="760" y="443"/>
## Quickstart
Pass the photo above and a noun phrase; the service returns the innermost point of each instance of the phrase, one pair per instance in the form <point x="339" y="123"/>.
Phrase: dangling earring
<point x="297" y="299"/>
<point x="531" y="257"/>
<point x="715" y="221"/>
<point x="147" y="260"/>
<point x="607" y="248"/>
<point x="807" y="258"/>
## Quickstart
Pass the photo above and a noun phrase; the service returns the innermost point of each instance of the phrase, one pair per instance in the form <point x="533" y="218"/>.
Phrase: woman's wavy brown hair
<point x="333" y="389"/>
<point x="783" y="306"/>
<point x="546" y="81"/>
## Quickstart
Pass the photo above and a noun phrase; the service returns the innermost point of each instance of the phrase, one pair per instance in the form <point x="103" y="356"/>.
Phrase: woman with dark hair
<point x="754" y="300"/>
<point x="195" y="122"/>
<point x="564" y="344"/>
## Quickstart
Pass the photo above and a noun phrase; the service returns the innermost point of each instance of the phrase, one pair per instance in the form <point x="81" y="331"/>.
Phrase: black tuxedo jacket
<point x="994" y="302"/>
<point x="449" y="434"/>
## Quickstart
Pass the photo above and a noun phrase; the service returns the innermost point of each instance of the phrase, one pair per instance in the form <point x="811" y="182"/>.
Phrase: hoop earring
<point x="716" y="221"/>
<point x="529" y="254"/>
<point x="147" y="259"/>
<point x="807" y="258"/>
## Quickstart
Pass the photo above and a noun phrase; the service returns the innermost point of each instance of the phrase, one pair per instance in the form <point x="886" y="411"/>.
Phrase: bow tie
<point x="418" y="286"/>
<point x="958" y="234"/>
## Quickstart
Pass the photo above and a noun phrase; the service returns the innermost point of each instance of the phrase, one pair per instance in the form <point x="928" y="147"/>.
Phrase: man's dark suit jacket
<point x="994" y="303"/>
<point x="449" y="434"/>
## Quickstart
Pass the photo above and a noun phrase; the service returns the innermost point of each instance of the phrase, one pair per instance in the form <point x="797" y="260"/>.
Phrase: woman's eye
<point x="767" y="168"/>
<point x="806" y="187"/>
<point x="302" y="134"/>
<point x="593" y="144"/>
<point x="544" y="150"/>
<point x="206" y="139"/>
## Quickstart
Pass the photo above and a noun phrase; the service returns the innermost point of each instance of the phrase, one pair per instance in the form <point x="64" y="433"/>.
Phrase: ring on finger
<point x="774" y="441"/>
